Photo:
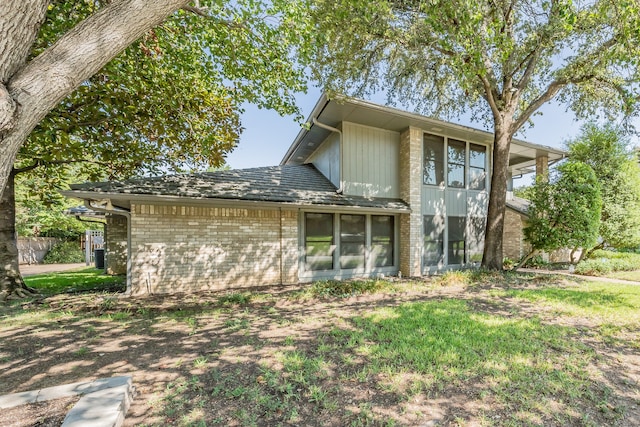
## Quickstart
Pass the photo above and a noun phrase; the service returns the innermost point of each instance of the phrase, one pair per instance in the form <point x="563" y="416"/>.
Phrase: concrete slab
<point x="103" y="408"/>
<point x="104" y="402"/>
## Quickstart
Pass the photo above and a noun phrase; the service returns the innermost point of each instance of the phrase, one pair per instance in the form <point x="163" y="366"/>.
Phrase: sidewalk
<point x="30" y="270"/>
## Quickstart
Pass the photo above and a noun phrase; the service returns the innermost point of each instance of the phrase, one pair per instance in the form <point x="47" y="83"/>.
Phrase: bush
<point x="594" y="267"/>
<point x="536" y="262"/>
<point x="64" y="253"/>
<point x="604" y="261"/>
<point x="347" y="288"/>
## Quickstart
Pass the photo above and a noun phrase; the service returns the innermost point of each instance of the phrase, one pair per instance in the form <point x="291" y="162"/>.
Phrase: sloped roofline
<point x="415" y="119"/>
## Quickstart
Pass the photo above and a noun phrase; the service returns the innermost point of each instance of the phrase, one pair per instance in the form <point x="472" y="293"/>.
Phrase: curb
<point x="104" y="402"/>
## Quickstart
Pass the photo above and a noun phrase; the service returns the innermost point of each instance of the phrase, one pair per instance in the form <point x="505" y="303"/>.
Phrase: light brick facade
<point x="411" y="234"/>
<point x="116" y="244"/>
<point x="189" y="248"/>
<point x="514" y="246"/>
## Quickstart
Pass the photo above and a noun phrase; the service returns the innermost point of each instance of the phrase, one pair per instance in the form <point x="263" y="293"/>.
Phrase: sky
<point x="267" y="135"/>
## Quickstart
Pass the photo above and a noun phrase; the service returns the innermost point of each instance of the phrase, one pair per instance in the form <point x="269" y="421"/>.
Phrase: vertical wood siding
<point x="327" y="158"/>
<point x="370" y="158"/>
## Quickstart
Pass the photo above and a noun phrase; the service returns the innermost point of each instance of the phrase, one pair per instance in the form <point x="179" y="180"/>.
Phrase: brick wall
<point x="116" y="244"/>
<point x="513" y="243"/>
<point x="411" y="192"/>
<point x="187" y="249"/>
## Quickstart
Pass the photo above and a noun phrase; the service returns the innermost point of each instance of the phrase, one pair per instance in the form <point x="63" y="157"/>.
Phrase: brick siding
<point x="116" y="244"/>
<point x="187" y="249"/>
<point x="411" y="192"/>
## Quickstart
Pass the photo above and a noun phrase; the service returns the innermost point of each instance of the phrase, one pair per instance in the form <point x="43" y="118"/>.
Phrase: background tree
<point x="608" y="151"/>
<point x="564" y="210"/>
<point x="168" y="102"/>
<point x="500" y="59"/>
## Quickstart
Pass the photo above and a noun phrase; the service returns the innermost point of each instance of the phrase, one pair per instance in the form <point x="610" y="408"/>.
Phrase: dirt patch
<point x="49" y="413"/>
<point x="270" y="358"/>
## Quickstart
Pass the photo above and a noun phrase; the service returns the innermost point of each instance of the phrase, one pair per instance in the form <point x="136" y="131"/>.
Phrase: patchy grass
<point x="85" y="280"/>
<point x="634" y="276"/>
<point x="477" y="348"/>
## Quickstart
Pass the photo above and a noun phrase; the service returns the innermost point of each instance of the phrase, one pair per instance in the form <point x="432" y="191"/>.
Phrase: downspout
<point x="281" y="254"/>
<point x="315" y="121"/>
<point x="127" y="215"/>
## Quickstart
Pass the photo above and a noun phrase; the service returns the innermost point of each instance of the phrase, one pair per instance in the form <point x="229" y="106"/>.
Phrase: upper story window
<point x="466" y="163"/>
<point x="477" y="167"/>
<point x="455" y="163"/>
<point x="433" y="160"/>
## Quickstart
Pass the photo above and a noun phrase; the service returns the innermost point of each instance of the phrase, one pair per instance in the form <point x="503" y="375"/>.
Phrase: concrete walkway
<point x="31" y="269"/>
<point x="104" y="402"/>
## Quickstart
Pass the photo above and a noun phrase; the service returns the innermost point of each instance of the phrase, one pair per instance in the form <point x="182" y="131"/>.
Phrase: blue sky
<point x="267" y="135"/>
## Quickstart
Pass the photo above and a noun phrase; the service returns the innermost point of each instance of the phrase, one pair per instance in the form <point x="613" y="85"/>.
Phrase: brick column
<point x="411" y="234"/>
<point x="542" y="165"/>
<point x="116" y="244"/>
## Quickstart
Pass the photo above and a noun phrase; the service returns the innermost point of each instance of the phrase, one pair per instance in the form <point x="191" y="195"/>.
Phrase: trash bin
<point x="98" y="256"/>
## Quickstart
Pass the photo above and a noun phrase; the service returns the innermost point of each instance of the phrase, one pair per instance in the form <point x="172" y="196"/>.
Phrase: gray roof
<point x="290" y="184"/>
<point x="519" y="204"/>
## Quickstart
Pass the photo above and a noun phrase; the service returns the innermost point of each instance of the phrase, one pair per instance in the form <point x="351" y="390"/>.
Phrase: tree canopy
<point x="501" y="60"/>
<point x="565" y="210"/>
<point x="608" y="151"/>
<point x="169" y="101"/>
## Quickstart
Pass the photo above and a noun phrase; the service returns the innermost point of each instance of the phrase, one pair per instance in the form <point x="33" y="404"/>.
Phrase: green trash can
<point x="98" y="256"/>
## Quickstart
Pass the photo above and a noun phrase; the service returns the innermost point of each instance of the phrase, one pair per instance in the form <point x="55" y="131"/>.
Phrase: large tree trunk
<point x="28" y="91"/>
<point x="11" y="283"/>
<point x="492" y="258"/>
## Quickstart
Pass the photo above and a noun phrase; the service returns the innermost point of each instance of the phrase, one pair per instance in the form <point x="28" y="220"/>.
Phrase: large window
<point x="476" y="238"/>
<point x="477" y="167"/>
<point x="319" y="241"/>
<point x="433" y="240"/>
<point x="433" y="160"/>
<point x="382" y="240"/>
<point x="352" y="241"/>
<point x="456" y="242"/>
<point x="455" y="163"/>
<point x="466" y="164"/>
<point x="361" y="242"/>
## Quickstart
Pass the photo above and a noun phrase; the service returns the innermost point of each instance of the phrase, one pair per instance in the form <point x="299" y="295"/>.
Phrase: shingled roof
<point x="290" y="184"/>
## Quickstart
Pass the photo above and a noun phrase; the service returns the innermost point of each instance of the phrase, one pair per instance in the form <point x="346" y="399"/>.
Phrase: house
<point x="364" y="190"/>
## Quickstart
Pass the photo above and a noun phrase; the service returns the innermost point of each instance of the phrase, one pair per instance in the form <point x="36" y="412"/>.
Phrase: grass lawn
<point x="465" y="349"/>
<point x="82" y="280"/>
<point x="626" y="275"/>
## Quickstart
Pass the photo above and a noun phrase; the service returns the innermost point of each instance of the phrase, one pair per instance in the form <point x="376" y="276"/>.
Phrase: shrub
<point x="604" y="261"/>
<point x="454" y="277"/>
<point x="536" y="262"/>
<point x="64" y="253"/>
<point x="346" y="288"/>
<point x="594" y="267"/>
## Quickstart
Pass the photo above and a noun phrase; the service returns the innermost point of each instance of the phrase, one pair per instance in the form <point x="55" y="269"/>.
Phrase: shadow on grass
<point x="536" y="370"/>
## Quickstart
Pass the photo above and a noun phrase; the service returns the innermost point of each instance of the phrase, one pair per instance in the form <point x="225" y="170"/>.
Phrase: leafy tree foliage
<point x="565" y="210"/>
<point x="170" y="101"/>
<point x="608" y="151"/>
<point x="500" y="59"/>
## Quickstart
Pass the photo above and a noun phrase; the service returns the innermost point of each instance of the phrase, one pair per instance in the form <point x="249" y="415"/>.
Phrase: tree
<point x="564" y="211"/>
<point x="500" y="59"/>
<point x="608" y="151"/>
<point x="170" y="101"/>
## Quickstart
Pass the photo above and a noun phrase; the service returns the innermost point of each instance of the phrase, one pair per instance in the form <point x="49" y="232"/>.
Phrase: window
<point x="433" y="160"/>
<point x="456" y="241"/>
<point x="352" y="241"/>
<point x="477" y="167"/>
<point x="476" y="238"/>
<point x="319" y="241"/>
<point x="455" y="163"/>
<point x="382" y="240"/>
<point x="433" y="240"/>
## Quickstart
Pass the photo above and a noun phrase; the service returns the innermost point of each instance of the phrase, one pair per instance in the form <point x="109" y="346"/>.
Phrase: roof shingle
<point x="291" y="184"/>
